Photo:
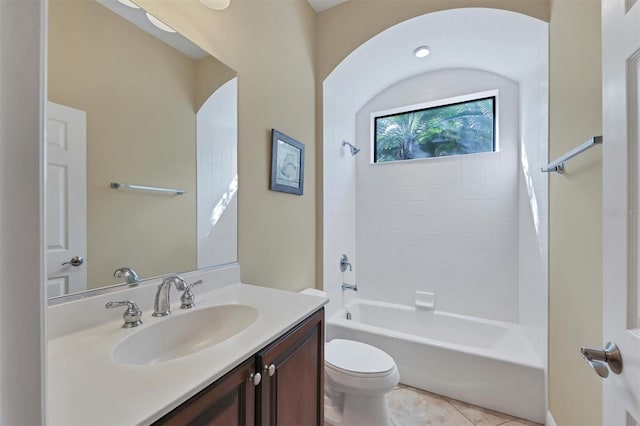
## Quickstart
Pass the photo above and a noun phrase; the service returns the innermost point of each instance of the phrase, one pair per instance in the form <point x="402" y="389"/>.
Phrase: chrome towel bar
<point x="116" y="185"/>
<point x="558" y="165"/>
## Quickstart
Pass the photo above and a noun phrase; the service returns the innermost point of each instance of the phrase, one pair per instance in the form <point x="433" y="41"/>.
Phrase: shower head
<point x="354" y="149"/>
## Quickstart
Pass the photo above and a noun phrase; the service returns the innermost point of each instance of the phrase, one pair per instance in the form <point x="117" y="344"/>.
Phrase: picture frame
<point x="287" y="164"/>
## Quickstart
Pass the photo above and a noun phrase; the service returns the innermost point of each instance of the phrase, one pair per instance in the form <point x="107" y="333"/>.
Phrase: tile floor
<point x="412" y="407"/>
<point x="415" y="407"/>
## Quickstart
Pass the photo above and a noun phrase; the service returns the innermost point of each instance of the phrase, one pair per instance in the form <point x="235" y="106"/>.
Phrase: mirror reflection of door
<point x="66" y="199"/>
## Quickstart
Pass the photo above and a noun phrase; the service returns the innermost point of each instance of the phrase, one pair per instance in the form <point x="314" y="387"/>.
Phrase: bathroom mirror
<point x="141" y="149"/>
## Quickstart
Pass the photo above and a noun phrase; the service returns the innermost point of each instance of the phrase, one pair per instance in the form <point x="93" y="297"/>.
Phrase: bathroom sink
<point x="181" y="335"/>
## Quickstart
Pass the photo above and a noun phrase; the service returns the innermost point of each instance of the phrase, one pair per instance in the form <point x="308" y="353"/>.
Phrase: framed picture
<point x="287" y="164"/>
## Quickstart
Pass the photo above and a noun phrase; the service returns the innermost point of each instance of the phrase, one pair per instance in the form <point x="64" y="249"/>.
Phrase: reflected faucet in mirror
<point x="129" y="275"/>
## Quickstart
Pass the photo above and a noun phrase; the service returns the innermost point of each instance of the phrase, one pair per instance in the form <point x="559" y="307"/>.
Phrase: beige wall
<point x="575" y="264"/>
<point x="139" y="96"/>
<point x="210" y="75"/>
<point x="270" y="45"/>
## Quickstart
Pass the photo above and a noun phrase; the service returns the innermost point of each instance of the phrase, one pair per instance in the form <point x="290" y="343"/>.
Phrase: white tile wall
<point x="446" y="225"/>
<point x="339" y="199"/>
<point x="217" y="177"/>
<point x="462" y="227"/>
<point x="533" y="203"/>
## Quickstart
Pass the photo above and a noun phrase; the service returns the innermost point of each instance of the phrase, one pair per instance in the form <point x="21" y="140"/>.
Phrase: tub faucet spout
<point x="346" y="286"/>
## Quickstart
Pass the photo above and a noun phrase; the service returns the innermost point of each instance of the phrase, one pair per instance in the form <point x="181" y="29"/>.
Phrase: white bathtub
<point x="483" y="362"/>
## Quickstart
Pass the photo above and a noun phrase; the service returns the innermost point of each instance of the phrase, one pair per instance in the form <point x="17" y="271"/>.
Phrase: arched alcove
<point x="454" y="207"/>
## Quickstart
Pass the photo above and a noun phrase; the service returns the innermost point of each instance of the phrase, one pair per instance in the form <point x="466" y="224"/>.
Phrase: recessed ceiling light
<point x="216" y="4"/>
<point x="158" y="23"/>
<point x="422" y="51"/>
<point x="129" y="3"/>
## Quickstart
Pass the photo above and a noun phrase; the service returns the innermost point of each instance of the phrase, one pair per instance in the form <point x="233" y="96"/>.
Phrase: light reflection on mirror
<point x="150" y="112"/>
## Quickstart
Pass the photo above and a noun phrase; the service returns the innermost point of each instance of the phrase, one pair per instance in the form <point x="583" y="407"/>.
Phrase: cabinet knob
<point x="255" y="378"/>
<point x="270" y="369"/>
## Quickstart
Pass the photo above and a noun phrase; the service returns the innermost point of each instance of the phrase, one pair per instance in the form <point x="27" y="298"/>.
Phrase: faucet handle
<point x="188" y="299"/>
<point x="131" y="316"/>
<point x="344" y="263"/>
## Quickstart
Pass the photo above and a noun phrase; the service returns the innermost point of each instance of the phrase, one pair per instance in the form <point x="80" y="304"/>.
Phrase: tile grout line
<point x="423" y="393"/>
<point x="471" y="421"/>
<point x="461" y="413"/>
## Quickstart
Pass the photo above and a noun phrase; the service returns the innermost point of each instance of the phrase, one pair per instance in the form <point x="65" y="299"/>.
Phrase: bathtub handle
<point x="270" y="369"/>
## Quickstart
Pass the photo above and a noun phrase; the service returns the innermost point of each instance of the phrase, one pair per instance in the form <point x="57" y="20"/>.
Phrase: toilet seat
<point x="357" y="359"/>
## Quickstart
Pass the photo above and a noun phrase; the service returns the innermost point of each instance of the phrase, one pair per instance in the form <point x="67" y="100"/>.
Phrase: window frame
<point x="476" y="96"/>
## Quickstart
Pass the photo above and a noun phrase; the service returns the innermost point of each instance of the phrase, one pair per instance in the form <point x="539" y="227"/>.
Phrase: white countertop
<point x="86" y="386"/>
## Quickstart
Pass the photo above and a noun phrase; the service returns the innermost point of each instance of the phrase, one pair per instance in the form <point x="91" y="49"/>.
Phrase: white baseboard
<point x="549" y="421"/>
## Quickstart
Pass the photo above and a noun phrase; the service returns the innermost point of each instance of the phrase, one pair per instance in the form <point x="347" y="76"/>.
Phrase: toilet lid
<point x="357" y="357"/>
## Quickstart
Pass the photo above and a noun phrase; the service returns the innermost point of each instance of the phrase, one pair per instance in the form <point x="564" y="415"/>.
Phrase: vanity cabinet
<point x="290" y="391"/>
<point x="292" y="388"/>
<point x="229" y="401"/>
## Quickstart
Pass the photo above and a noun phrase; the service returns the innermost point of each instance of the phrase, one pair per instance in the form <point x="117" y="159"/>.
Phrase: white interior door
<point x="65" y="138"/>
<point x="621" y="203"/>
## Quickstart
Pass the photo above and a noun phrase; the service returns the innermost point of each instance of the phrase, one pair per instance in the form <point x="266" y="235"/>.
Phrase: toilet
<point x="357" y="377"/>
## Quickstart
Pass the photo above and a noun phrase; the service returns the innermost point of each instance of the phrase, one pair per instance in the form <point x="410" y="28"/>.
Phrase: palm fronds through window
<point x="461" y="128"/>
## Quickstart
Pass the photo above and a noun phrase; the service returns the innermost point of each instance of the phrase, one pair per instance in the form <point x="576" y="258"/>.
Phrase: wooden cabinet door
<point x="230" y="401"/>
<point x="294" y="394"/>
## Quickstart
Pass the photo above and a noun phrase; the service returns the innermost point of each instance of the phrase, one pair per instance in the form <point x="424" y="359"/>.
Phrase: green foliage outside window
<point x="461" y="128"/>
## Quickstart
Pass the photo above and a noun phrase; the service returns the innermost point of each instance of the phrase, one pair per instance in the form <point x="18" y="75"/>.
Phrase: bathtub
<point x="483" y="362"/>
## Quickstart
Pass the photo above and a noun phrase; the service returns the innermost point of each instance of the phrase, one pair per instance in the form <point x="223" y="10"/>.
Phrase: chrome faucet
<point x="129" y="275"/>
<point x="346" y="286"/>
<point x="162" y="302"/>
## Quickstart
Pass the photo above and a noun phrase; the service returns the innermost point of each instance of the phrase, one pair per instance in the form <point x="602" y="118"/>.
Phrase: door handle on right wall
<point x="600" y="359"/>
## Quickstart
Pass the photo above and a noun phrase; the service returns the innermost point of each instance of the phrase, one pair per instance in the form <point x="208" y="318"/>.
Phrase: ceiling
<point x="320" y="5"/>
<point x="492" y="40"/>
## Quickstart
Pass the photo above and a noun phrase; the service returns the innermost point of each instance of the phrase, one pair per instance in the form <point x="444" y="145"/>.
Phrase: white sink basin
<point x="181" y="335"/>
